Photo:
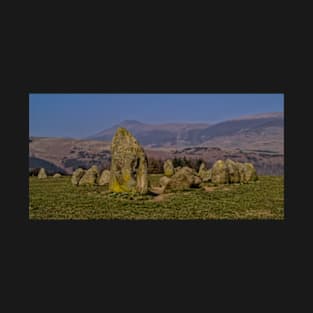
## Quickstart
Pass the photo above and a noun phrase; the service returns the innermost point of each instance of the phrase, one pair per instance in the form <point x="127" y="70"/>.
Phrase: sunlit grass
<point x="57" y="198"/>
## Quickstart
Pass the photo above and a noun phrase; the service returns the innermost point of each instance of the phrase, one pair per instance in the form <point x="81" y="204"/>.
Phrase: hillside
<point x="152" y="135"/>
<point x="68" y="154"/>
<point x="263" y="132"/>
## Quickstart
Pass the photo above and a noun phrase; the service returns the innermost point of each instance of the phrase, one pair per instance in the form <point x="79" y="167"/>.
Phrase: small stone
<point x="168" y="168"/>
<point x="90" y="177"/>
<point x="77" y="175"/>
<point x="42" y="174"/>
<point x="104" y="178"/>
<point x="205" y="174"/>
<point x="233" y="171"/>
<point x="220" y="173"/>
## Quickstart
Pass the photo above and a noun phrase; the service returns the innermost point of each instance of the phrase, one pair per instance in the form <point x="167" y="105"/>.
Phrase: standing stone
<point x="168" y="168"/>
<point x="77" y="175"/>
<point x="220" y="173"/>
<point x="233" y="170"/>
<point x="90" y="177"/>
<point x="104" y="178"/>
<point x="129" y="165"/>
<point x="42" y="174"/>
<point x="205" y="174"/>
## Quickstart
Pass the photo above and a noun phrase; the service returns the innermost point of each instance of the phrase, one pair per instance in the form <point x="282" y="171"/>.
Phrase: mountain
<point x="260" y="132"/>
<point x="253" y="132"/>
<point x="151" y="135"/>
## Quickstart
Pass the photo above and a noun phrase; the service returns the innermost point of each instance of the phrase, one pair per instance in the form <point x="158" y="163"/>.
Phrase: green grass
<point x="57" y="198"/>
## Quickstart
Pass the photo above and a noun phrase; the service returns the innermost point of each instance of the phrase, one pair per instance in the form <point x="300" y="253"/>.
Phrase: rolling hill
<point x="151" y="135"/>
<point x="262" y="132"/>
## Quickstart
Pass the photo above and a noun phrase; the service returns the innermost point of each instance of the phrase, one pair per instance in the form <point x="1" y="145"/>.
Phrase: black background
<point x="240" y="264"/>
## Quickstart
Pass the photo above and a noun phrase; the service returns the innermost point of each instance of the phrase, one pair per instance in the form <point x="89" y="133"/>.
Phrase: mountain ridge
<point x="263" y="128"/>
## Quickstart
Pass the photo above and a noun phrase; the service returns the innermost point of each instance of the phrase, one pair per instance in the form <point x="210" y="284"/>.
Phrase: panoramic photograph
<point x="156" y="156"/>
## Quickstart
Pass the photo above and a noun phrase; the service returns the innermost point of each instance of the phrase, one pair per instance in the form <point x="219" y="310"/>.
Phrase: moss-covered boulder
<point x="42" y="174"/>
<point x="184" y="178"/>
<point x="168" y="168"/>
<point x="220" y="173"/>
<point x="233" y="171"/>
<point x="129" y="165"/>
<point x="204" y="173"/>
<point x="90" y="177"/>
<point x="104" y="178"/>
<point x="77" y="175"/>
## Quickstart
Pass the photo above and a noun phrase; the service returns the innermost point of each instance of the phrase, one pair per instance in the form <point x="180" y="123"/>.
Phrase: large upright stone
<point x="220" y="173"/>
<point x="168" y="168"/>
<point x="129" y="165"/>
<point x="77" y="175"/>
<point x="90" y="177"/>
<point x="42" y="173"/>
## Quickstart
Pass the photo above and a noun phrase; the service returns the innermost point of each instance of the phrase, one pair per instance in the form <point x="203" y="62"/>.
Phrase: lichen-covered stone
<point x="168" y="168"/>
<point x="204" y="173"/>
<point x="220" y="173"/>
<point x="129" y="165"/>
<point x="247" y="172"/>
<point x="164" y="180"/>
<point x="233" y="171"/>
<point x="184" y="178"/>
<point x="104" y="178"/>
<point x="95" y="169"/>
<point x="57" y="175"/>
<point x="77" y="175"/>
<point x="42" y="173"/>
<point x="251" y="174"/>
<point x="90" y="177"/>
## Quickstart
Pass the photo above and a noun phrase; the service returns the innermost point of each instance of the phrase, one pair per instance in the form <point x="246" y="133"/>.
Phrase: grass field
<point x="57" y="198"/>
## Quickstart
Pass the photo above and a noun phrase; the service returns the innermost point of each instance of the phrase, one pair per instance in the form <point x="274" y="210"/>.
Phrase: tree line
<point x="155" y="166"/>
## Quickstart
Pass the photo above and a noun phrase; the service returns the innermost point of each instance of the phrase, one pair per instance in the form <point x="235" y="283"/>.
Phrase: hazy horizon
<point x="82" y="115"/>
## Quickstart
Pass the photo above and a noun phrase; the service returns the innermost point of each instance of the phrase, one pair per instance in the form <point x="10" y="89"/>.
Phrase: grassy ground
<point x="57" y="198"/>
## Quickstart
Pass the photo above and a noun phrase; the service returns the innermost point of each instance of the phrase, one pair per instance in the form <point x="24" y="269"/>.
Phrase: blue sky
<point x="81" y="115"/>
